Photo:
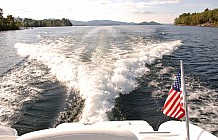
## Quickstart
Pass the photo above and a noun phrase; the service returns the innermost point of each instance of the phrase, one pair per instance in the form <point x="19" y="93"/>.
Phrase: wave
<point x="17" y="89"/>
<point x="109" y="72"/>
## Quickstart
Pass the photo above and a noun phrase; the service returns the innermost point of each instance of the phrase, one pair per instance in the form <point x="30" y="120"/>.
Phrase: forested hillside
<point x="205" y="18"/>
<point x="27" y="22"/>
<point x="7" y="23"/>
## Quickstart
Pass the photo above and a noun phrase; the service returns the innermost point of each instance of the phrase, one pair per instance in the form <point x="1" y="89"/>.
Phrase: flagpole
<point x="185" y="99"/>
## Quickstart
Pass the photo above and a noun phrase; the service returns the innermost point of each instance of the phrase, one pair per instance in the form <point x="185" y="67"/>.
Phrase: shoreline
<point x="200" y="25"/>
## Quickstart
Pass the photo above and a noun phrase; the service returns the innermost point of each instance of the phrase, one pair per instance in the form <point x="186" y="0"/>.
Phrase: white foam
<point x="98" y="81"/>
<point x="14" y="92"/>
<point x="207" y="112"/>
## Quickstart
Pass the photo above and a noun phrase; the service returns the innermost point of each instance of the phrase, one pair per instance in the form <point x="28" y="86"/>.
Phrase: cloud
<point x="160" y="2"/>
<point x="154" y="2"/>
<point x="144" y="12"/>
<point x="125" y="10"/>
<point x="141" y="7"/>
<point x="103" y="2"/>
<point x="22" y="10"/>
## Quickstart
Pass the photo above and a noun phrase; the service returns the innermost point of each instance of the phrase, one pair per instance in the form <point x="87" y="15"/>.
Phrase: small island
<point x="149" y="23"/>
<point x="11" y="23"/>
<point x="208" y="18"/>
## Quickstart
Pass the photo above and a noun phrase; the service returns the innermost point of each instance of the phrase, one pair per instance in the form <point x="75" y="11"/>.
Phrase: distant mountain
<point x="99" y="23"/>
<point x="109" y="23"/>
<point x="106" y="23"/>
<point x="149" y="23"/>
<point x="78" y="23"/>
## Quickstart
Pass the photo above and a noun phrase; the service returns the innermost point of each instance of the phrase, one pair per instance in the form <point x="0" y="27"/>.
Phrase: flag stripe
<point x="170" y="104"/>
<point x="170" y="96"/>
<point x="174" y="108"/>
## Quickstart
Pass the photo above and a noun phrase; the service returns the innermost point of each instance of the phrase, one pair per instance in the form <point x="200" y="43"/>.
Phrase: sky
<point x="162" y="11"/>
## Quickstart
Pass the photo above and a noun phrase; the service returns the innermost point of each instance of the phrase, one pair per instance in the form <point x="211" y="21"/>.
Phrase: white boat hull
<point x="111" y="130"/>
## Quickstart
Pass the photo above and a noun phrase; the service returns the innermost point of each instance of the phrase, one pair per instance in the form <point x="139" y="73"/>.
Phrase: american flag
<point x="173" y="106"/>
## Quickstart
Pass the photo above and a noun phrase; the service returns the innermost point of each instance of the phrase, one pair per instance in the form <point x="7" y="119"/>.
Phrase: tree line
<point x="11" y="23"/>
<point x="205" y="18"/>
<point x="27" y="22"/>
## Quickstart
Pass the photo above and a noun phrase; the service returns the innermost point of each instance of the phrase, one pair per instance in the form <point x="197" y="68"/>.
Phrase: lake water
<point x="90" y="74"/>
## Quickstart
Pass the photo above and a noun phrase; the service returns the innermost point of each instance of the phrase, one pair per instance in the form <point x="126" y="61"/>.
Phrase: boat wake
<point x="100" y="68"/>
